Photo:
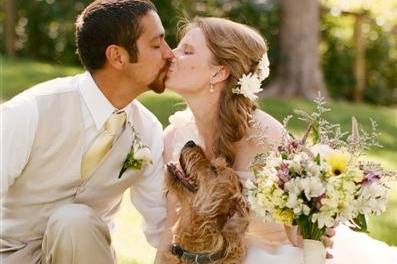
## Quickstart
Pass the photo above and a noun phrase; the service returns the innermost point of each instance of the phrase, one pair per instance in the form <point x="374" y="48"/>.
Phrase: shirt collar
<point x="98" y="105"/>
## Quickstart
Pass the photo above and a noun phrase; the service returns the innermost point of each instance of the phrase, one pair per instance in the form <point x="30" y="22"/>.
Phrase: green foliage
<point x="339" y="54"/>
<point x="381" y="56"/>
<point x="337" y="59"/>
<point x="20" y="74"/>
<point x="45" y="31"/>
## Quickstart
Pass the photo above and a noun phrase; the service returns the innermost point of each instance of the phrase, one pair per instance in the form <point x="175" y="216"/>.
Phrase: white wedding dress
<point x="268" y="243"/>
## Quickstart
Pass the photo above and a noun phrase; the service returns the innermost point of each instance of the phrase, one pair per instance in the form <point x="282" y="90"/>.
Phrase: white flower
<point x="324" y="219"/>
<point x="143" y="154"/>
<point x="249" y="86"/>
<point x="312" y="186"/>
<point x="321" y="149"/>
<point x="306" y="209"/>
<point x="263" y="68"/>
<point x="313" y="170"/>
<point x="293" y="187"/>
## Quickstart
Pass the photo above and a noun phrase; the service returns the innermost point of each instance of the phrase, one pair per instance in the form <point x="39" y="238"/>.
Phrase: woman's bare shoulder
<point x="268" y="126"/>
<point x="265" y="132"/>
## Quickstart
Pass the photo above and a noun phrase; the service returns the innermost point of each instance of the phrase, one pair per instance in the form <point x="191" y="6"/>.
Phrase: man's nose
<point x="168" y="53"/>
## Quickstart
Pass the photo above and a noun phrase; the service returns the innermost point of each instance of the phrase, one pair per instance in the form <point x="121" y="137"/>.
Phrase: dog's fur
<point x="215" y="215"/>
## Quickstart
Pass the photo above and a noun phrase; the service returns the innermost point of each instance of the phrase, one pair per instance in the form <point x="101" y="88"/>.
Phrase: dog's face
<point x="211" y="188"/>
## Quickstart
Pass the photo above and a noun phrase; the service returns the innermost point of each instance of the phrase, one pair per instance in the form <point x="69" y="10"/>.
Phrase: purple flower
<point x="283" y="174"/>
<point x="370" y="177"/>
<point x="293" y="146"/>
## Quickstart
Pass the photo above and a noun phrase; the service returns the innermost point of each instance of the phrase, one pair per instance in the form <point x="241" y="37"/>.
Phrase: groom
<point x="64" y="143"/>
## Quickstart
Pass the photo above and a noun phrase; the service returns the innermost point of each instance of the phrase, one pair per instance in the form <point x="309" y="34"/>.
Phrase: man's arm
<point x="147" y="193"/>
<point x="18" y="125"/>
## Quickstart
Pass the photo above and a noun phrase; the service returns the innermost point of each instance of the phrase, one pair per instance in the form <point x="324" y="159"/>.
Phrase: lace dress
<point x="267" y="242"/>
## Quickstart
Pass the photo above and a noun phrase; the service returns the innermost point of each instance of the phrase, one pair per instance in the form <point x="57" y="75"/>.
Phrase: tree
<point x="372" y="21"/>
<point x="299" y="71"/>
<point x="9" y="26"/>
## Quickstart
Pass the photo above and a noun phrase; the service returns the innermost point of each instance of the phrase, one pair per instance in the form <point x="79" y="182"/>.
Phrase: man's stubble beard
<point x="158" y="85"/>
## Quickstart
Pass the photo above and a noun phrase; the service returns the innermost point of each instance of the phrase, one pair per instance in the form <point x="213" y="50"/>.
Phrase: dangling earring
<point x="211" y="87"/>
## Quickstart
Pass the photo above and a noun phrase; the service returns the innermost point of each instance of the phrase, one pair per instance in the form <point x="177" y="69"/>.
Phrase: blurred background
<point x="347" y="49"/>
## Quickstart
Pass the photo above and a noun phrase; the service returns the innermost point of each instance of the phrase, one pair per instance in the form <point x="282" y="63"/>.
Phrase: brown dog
<point x="213" y="216"/>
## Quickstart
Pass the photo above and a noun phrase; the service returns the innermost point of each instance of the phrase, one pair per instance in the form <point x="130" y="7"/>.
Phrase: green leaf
<point x="310" y="230"/>
<point x="359" y="224"/>
<point x="317" y="159"/>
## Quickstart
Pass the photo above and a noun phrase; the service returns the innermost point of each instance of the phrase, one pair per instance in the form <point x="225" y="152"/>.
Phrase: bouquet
<point x="320" y="180"/>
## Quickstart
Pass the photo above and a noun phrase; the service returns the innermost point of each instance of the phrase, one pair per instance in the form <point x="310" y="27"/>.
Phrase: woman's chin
<point x="171" y="87"/>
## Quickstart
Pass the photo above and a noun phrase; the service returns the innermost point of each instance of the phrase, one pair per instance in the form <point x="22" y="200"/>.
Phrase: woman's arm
<point x="166" y="237"/>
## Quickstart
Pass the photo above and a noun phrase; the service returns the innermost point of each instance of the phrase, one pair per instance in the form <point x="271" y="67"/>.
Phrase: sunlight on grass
<point x="128" y="239"/>
<point x="20" y="74"/>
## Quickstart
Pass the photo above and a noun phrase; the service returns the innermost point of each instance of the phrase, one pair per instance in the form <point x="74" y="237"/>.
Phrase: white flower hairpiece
<point x="250" y="84"/>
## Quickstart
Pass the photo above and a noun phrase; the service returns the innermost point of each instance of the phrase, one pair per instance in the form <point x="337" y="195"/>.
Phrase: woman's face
<point x="191" y="69"/>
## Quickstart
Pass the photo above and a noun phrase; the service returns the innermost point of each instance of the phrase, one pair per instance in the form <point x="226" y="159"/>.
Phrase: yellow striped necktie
<point x="102" y="144"/>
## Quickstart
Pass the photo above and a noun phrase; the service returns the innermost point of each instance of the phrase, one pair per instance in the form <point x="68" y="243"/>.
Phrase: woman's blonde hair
<point x="239" y="48"/>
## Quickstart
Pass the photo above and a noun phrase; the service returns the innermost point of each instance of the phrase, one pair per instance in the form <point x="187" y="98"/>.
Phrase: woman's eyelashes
<point x="186" y="49"/>
<point x="156" y="45"/>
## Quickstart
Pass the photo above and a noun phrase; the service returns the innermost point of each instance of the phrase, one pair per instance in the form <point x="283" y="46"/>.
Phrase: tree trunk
<point x="9" y="26"/>
<point x="359" y="64"/>
<point x="299" y="71"/>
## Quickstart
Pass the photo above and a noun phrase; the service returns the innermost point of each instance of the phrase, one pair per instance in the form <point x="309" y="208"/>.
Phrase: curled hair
<point x="239" y="48"/>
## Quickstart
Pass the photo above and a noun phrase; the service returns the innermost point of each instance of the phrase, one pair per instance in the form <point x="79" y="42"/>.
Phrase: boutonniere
<point x="139" y="156"/>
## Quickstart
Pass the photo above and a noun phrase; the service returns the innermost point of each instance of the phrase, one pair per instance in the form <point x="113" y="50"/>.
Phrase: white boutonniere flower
<point x="142" y="152"/>
<point x="139" y="156"/>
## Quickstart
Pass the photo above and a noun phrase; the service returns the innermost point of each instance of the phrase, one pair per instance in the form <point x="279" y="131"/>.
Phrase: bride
<point x="209" y="61"/>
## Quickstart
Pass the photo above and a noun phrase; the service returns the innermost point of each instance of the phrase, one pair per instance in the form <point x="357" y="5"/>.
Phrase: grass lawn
<point x="17" y="75"/>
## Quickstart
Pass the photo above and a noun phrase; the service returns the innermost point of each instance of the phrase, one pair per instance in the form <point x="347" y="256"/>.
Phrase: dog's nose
<point x="190" y="144"/>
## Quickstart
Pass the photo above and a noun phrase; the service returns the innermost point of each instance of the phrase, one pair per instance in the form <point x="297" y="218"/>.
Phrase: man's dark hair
<point x="107" y="22"/>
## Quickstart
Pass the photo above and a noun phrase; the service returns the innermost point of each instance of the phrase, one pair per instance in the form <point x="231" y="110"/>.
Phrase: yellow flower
<point x="284" y="216"/>
<point x="338" y="162"/>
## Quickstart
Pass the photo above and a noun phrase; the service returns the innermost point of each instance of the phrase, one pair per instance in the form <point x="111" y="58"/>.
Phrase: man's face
<point x="154" y="55"/>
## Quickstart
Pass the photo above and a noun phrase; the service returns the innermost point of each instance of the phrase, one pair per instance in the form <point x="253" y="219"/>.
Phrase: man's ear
<point x="117" y="56"/>
<point x="219" y="74"/>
